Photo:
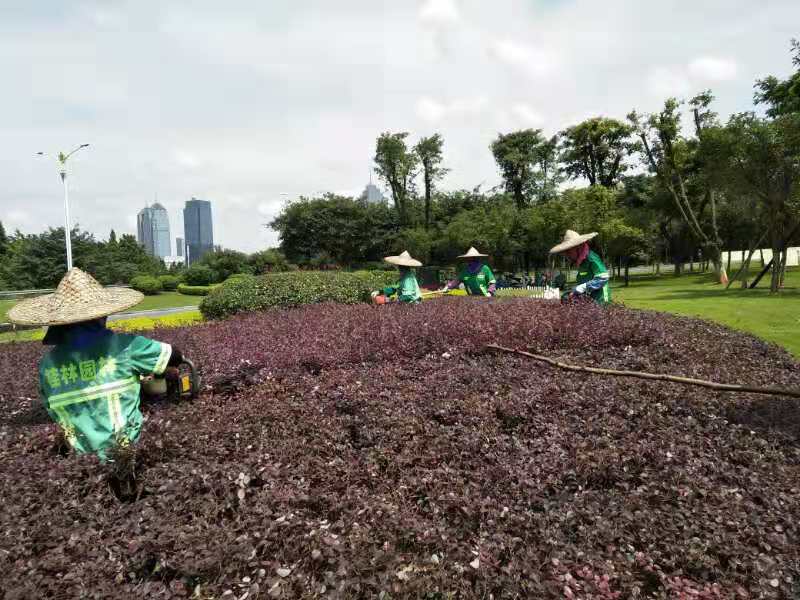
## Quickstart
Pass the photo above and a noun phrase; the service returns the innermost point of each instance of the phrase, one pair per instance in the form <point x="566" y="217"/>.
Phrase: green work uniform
<point x="92" y="389"/>
<point x="477" y="284"/>
<point x="407" y="290"/>
<point x="593" y="279"/>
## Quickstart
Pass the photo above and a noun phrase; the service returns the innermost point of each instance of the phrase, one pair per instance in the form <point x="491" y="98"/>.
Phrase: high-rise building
<point x="144" y="229"/>
<point x="372" y="194"/>
<point x="198" y="231"/>
<point x="179" y="246"/>
<point x="152" y="230"/>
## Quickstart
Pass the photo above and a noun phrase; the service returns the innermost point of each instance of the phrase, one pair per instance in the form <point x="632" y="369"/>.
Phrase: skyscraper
<point x="198" y="230"/>
<point x="152" y="230"/>
<point x="372" y="194"/>
<point x="178" y="246"/>
<point x="144" y="229"/>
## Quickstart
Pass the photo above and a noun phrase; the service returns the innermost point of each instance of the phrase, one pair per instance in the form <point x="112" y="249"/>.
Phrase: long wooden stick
<point x="724" y="387"/>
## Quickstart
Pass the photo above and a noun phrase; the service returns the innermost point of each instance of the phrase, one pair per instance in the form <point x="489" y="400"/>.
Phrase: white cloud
<point x="438" y="12"/>
<point x="535" y="61"/>
<point x="527" y="114"/>
<point x="709" y="68"/>
<point x="432" y="110"/>
<point x="663" y="82"/>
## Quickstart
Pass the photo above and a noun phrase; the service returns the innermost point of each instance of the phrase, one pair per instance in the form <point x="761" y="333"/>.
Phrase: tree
<point x="596" y="149"/>
<point x="3" y="239"/>
<point x="224" y="263"/>
<point x="112" y="237"/>
<point x="528" y="163"/>
<point x="782" y="97"/>
<point x="267" y="261"/>
<point x="762" y="160"/>
<point x="678" y="164"/>
<point x="336" y="228"/>
<point x="396" y="165"/>
<point x="429" y="153"/>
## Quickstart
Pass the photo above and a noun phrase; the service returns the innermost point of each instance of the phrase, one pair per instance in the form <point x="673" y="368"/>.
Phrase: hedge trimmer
<point x="176" y="383"/>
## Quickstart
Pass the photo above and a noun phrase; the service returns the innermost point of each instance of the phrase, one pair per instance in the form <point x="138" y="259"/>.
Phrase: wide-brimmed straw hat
<point x="572" y="239"/>
<point x="473" y="253"/>
<point x="78" y="298"/>
<point x="404" y="260"/>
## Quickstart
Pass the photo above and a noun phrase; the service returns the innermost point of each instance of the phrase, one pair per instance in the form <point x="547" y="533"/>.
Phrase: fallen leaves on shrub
<point x="345" y="451"/>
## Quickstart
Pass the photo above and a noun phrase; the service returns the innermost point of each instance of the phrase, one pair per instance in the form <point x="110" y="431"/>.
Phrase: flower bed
<point x="347" y="450"/>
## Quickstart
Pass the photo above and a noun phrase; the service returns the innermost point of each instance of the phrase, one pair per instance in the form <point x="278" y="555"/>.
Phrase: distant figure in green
<point x="476" y="275"/>
<point x="407" y="290"/>
<point x="592" y="280"/>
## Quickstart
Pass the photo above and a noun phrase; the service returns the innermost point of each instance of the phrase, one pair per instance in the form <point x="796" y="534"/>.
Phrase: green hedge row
<point x="195" y="290"/>
<point x="285" y="290"/>
<point x="146" y="284"/>
<point x="169" y="282"/>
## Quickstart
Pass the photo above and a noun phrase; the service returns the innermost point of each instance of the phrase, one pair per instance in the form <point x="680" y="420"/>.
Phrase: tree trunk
<point x="627" y="272"/>
<point x="761" y="252"/>
<point x="744" y="268"/>
<point x="658" y="267"/>
<point x="427" y="200"/>
<point x="782" y="276"/>
<point x="678" y="268"/>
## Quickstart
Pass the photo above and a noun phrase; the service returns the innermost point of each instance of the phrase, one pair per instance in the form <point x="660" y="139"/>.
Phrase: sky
<point x="250" y="104"/>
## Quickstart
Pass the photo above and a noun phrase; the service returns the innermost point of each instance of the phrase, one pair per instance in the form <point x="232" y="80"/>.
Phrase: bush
<point x="284" y="290"/>
<point x="195" y="290"/>
<point x="198" y="275"/>
<point x="169" y="282"/>
<point x="149" y="286"/>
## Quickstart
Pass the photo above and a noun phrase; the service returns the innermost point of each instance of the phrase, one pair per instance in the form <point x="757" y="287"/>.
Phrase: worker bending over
<point x="592" y="280"/>
<point x="89" y="381"/>
<point x="476" y="275"/>
<point x="407" y="290"/>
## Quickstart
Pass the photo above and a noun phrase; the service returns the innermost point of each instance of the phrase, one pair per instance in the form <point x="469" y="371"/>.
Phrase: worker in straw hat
<point x="407" y="290"/>
<point x="89" y="381"/>
<point x="592" y="280"/>
<point x="476" y="275"/>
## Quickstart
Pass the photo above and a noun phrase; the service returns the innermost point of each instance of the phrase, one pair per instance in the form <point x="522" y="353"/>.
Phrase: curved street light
<point x="62" y="170"/>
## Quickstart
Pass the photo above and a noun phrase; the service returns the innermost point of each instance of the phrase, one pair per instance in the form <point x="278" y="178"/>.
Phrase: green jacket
<point x="593" y="279"/>
<point x="407" y="290"/>
<point x="477" y="284"/>
<point x="90" y="386"/>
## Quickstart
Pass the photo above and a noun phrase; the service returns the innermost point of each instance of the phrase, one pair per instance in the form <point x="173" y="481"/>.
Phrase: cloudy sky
<point x="247" y="103"/>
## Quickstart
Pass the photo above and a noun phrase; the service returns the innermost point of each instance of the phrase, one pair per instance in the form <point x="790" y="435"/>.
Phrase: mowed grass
<point x="159" y="301"/>
<point x="180" y="319"/>
<point x="775" y="318"/>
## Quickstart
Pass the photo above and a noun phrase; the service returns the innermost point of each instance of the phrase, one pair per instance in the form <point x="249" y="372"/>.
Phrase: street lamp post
<point x="62" y="170"/>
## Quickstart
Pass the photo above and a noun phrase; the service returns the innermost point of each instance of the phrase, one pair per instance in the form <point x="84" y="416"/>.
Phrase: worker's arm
<point x="149" y="357"/>
<point x="595" y="283"/>
<point x="491" y="288"/>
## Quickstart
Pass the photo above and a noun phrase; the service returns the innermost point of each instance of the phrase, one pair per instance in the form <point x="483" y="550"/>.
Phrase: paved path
<point x="158" y="312"/>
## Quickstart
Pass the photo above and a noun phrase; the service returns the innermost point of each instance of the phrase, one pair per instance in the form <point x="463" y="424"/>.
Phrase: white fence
<point x="792" y="256"/>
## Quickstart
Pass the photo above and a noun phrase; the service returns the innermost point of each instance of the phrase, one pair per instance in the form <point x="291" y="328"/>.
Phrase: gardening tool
<point x="179" y="383"/>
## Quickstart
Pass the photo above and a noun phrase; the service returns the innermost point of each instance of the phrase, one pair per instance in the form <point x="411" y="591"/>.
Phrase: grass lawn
<point x="773" y="318"/>
<point x="162" y="300"/>
<point x="134" y="324"/>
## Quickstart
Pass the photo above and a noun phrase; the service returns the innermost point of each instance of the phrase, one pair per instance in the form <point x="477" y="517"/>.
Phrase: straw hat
<point x="404" y="260"/>
<point x="472" y="253"/>
<point x="572" y="239"/>
<point x="78" y="298"/>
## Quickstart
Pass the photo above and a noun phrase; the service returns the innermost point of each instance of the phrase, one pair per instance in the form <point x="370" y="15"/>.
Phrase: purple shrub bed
<point x="348" y="451"/>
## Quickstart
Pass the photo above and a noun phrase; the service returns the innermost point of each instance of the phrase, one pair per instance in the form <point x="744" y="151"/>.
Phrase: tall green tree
<point x="429" y="153"/>
<point x="762" y="160"/>
<point x="781" y="96"/>
<point x="678" y="162"/>
<point x="528" y="163"/>
<point x="397" y="165"/>
<point x="112" y="237"/>
<point x="596" y="150"/>
<point x="3" y="239"/>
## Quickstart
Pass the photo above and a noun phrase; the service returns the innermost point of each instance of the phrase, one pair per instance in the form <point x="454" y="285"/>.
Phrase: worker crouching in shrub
<point x="89" y="381"/>
<point x="592" y="280"/>
<point x="407" y="290"/>
<point x="476" y="275"/>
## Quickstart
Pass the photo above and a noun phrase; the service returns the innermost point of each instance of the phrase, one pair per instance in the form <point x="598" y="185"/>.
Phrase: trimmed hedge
<point x="195" y="290"/>
<point x="149" y="286"/>
<point x="285" y="290"/>
<point x="169" y="282"/>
